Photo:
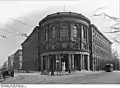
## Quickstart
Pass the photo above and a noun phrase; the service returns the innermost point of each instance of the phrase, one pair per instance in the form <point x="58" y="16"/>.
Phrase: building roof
<point x="19" y="50"/>
<point x="30" y="35"/>
<point x="101" y="33"/>
<point x="65" y="14"/>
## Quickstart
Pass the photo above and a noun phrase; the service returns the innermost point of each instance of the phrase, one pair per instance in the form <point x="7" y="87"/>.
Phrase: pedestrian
<point x="69" y="70"/>
<point x="52" y="72"/>
<point x="12" y="72"/>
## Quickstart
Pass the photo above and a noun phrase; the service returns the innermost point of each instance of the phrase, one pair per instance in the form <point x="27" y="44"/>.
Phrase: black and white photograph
<point x="59" y="42"/>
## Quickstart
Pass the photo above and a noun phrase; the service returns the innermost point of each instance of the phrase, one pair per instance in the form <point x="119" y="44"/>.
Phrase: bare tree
<point x="115" y="28"/>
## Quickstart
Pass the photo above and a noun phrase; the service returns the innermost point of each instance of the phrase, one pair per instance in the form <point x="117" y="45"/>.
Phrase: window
<point x="63" y="31"/>
<point x="74" y="31"/>
<point x="64" y="45"/>
<point x="46" y="46"/>
<point x="46" y="33"/>
<point x="53" y="31"/>
<point x="82" y="30"/>
<point x="71" y="45"/>
<point x="53" y="46"/>
<point x="77" y="46"/>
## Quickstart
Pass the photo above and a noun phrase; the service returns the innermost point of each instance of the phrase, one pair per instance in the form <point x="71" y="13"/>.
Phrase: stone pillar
<point x="93" y="65"/>
<point x="69" y="61"/>
<point x="88" y="64"/>
<point x="59" y="57"/>
<point x="48" y="63"/>
<point x="72" y="61"/>
<point x="56" y="58"/>
<point x="41" y="63"/>
<point x="81" y="62"/>
<point x="99" y="63"/>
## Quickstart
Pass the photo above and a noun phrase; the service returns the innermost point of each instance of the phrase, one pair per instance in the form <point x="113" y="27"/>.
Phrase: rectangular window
<point x="82" y="31"/>
<point x="46" y="33"/>
<point x="54" y="29"/>
<point x="64" y="31"/>
<point x="64" y="45"/>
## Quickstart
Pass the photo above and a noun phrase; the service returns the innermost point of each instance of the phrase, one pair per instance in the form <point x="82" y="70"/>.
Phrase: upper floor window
<point x="63" y="31"/>
<point x="82" y="31"/>
<point x="64" y="45"/>
<point x="53" y="46"/>
<point x="74" y="32"/>
<point x="46" y="33"/>
<point x="53" y="31"/>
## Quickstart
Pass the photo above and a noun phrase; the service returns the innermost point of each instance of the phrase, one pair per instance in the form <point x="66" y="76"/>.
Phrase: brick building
<point x="61" y="41"/>
<point x="30" y="51"/>
<point x="100" y="48"/>
<point x="17" y="63"/>
<point x="10" y="61"/>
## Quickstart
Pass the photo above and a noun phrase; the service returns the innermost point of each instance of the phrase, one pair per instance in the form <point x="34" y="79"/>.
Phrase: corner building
<point x="64" y="39"/>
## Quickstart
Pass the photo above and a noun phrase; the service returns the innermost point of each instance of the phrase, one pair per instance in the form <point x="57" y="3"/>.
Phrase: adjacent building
<point x="100" y="48"/>
<point x="17" y="63"/>
<point x="10" y="61"/>
<point x="30" y="51"/>
<point x="63" y="41"/>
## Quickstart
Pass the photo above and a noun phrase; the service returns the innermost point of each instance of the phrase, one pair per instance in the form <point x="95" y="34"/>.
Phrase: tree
<point x="115" y="28"/>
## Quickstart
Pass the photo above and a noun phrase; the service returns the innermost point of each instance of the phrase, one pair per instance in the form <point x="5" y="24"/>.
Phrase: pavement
<point x="37" y="78"/>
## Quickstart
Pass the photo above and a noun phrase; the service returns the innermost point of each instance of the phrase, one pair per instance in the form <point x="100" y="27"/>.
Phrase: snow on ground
<point x="37" y="78"/>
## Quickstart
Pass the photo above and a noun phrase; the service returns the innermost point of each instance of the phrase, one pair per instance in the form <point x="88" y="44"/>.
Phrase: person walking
<point x="52" y="72"/>
<point x="69" y="70"/>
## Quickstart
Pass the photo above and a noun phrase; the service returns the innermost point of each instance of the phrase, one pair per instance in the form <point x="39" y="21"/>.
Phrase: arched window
<point x="74" y="32"/>
<point x="82" y="31"/>
<point x="46" y="33"/>
<point x="53" y="31"/>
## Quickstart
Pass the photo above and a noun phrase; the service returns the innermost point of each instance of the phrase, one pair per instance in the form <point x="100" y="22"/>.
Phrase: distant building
<point x="10" y="61"/>
<point x="64" y="41"/>
<point x="5" y="65"/>
<point x="17" y="64"/>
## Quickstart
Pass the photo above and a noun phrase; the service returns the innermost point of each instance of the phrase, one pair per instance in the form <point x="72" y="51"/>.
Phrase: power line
<point x="19" y="33"/>
<point x="21" y="22"/>
<point x="12" y="28"/>
<point x="5" y="31"/>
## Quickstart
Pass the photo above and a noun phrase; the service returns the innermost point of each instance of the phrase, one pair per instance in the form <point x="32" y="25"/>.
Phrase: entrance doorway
<point x="65" y="63"/>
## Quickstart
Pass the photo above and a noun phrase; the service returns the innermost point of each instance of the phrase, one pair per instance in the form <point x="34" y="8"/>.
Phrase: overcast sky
<point x="31" y="12"/>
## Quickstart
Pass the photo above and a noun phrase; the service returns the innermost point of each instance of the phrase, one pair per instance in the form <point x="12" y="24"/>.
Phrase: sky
<point x="31" y="12"/>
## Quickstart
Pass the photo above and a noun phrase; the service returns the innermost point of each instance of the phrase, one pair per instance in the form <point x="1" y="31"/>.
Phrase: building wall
<point x="50" y="43"/>
<point x="17" y="57"/>
<point x="30" y="51"/>
<point x="10" y="61"/>
<point x="100" y="48"/>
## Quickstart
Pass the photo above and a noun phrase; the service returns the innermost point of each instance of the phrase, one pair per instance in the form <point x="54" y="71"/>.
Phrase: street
<point x="73" y="78"/>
